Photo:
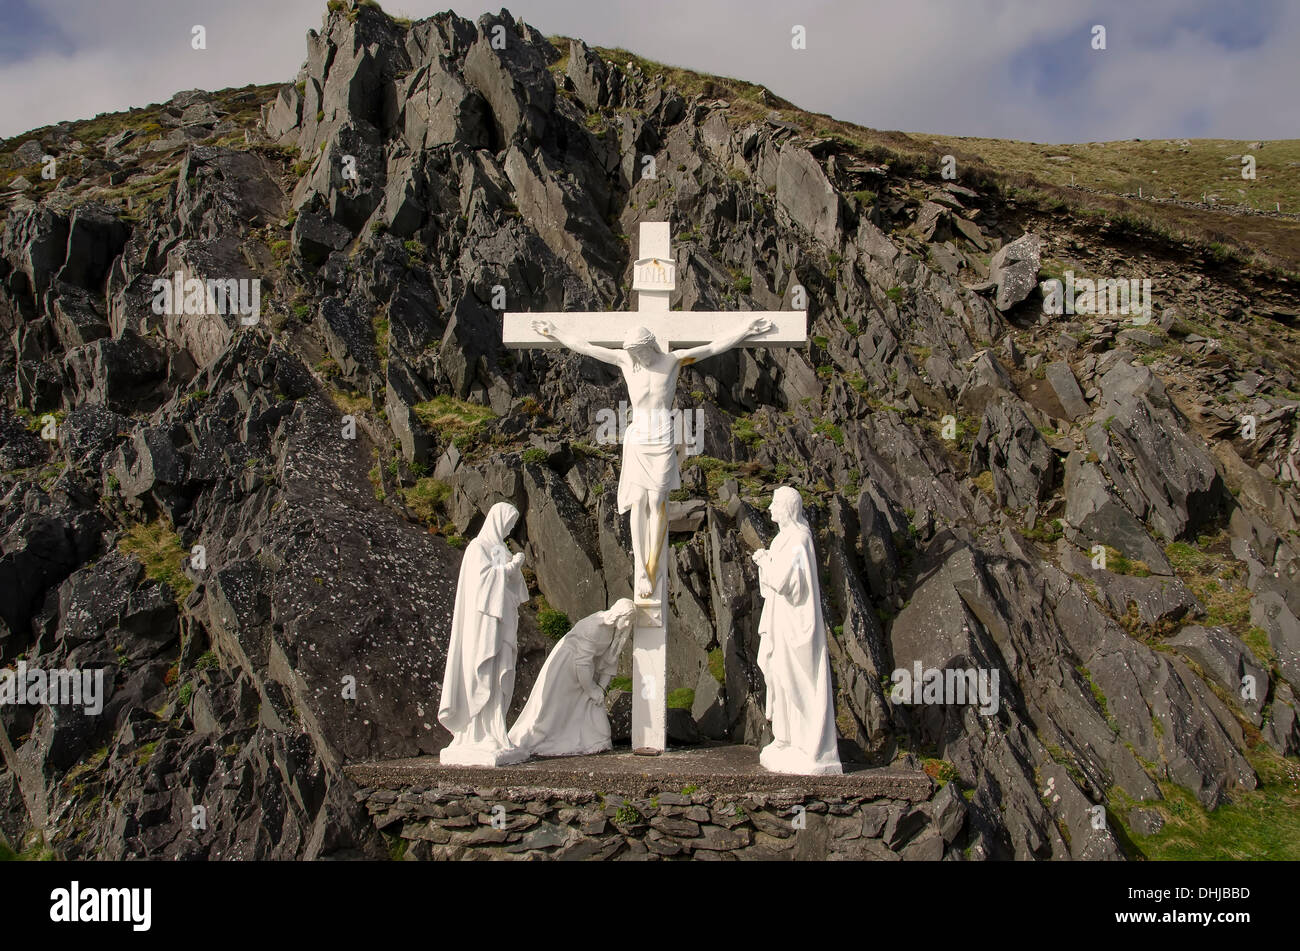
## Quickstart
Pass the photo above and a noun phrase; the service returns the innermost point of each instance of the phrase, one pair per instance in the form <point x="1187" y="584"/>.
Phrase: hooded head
<point x="640" y="342"/>
<point x="621" y="613"/>
<point x="500" y="522"/>
<point x="787" y="507"/>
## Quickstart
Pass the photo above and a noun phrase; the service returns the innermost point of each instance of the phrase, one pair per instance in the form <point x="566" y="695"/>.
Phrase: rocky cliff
<point x="253" y="528"/>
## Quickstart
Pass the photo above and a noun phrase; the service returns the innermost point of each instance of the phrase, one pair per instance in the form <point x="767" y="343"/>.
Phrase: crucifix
<point x="651" y="345"/>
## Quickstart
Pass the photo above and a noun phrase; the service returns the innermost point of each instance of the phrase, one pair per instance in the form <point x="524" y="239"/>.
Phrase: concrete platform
<point x="716" y="768"/>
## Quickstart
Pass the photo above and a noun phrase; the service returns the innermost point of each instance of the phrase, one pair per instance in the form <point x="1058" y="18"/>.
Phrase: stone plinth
<point x="705" y="803"/>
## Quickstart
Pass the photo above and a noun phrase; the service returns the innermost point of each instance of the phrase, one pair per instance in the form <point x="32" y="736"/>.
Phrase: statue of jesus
<point x="650" y="467"/>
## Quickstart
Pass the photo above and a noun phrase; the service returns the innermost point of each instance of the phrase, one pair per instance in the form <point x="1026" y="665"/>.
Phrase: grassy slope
<point x="1164" y="168"/>
<point x="1261" y="824"/>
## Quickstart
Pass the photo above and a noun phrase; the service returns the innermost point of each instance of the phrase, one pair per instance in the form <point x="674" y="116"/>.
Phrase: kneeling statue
<point x="565" y="714"/>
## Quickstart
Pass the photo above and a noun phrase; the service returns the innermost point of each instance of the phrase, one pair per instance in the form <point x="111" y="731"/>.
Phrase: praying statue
<point x="565" y="714"/>
<point x="480" y="677"/>
<point x="650" y="467"/>
<point x="792" y="653"/>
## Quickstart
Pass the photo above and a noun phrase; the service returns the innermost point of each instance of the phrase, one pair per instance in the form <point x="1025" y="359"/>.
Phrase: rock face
<point x="1009" y="446"/>
<point x="253" y="528"/>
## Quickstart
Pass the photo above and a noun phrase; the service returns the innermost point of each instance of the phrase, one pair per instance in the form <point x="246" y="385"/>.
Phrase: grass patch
<point x="718" y="665"/>
<point x="1045" y="535"/>
<point x="627" y="815"/>
<point x="1120" y="564"/>
<point x="743" y="429"/>
<point x="940" y="770"/>
<point x="35" y="851"/>
<point x="145" y="753"/>
<point x="427" y="499"/>
<point x="1262" y="823"/>
<point x="831" y="431"/>
<point x="551" y="622"/>
<point x="683" y="698"/>
<point x="716" y="471"/>
<point x="450" y="417"/>
<point x="159" y="549"/>
<point x="1215" y="578"/>
<point x="350" y="402"/>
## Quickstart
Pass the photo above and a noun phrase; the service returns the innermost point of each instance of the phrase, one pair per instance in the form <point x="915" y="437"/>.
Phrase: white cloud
<point x="920" y="66"/>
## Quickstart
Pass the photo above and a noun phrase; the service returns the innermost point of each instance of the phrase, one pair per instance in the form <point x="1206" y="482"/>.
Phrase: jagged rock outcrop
<point x="253" y="527"/>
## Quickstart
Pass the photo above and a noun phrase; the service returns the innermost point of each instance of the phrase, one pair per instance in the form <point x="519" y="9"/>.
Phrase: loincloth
<point x="647" y="467"/>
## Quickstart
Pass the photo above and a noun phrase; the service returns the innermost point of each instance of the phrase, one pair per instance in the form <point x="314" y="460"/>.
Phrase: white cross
<point x="654" y="280"/>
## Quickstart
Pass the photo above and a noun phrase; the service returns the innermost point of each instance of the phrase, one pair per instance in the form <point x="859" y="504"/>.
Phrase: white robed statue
<point x="792" y="653"/>
<point x="565" y="714"/>
<point x="480" y="676"/>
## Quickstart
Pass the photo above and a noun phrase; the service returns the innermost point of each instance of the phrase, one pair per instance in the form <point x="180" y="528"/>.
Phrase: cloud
<point x="1001" y="68"/>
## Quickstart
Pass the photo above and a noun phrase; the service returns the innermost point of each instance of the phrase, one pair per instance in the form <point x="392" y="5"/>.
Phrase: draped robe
<point x="479" y="680"/>
<point x="561" y="718"/>
<point x="794" y="660"/>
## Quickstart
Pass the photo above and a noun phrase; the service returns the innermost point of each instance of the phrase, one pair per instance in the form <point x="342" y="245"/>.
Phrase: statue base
<point x="471" y="756"/>
<point x="789" y="761"/>
<point x="611" y="806"/>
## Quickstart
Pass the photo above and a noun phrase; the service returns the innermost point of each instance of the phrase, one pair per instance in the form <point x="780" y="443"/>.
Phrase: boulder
<point x="803" y="190"/>
<point x="1228" y="662"/>
<point x="96" y="236"/>
<point x="315" y="236"/>
<point x="121" y="373"/>
<point x="515" y="82"/>
<point x="1066" y="388"/>
<point x="1269" y="610"/>
<point x="1092" y="508"/>
<point x="1014" y="269"/>
<point x="589" y="76"/>
<point x="1010" y="446"/>
<point x="986" y="381"/>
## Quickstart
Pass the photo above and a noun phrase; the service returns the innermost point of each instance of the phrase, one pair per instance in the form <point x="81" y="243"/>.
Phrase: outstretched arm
<point x="603" y="354"/>
<point x="760" y="325"/>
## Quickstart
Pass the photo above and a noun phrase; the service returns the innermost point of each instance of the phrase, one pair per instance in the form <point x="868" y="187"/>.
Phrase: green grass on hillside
<point x="1263" y="823"/>
<point x="449" y="416"/>
<point x="1162" y="168"/>
<point x="160" y="551"/>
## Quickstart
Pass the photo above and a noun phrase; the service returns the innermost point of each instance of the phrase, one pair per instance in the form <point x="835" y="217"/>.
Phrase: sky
<point x="1018" y="69"/>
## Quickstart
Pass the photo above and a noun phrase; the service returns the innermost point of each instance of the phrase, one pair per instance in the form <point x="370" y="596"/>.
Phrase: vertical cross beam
<point x="650" y="633"/>
<point x="654" y="243"/>
<point x="650" y="664"/>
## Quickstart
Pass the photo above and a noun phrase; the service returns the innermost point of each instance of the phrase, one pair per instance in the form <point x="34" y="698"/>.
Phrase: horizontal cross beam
<point x="674" y="329"/>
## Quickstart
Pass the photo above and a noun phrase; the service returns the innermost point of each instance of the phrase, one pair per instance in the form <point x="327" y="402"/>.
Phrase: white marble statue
<point x="650" y="465"/>
<point x="480" y="676"/>
<point x="565" y="714"/>
<point x="792" y="652"/>
<point x="651" y="344"/>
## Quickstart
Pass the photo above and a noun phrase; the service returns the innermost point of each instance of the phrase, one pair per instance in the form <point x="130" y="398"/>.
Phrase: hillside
<point x="961" y="453"/>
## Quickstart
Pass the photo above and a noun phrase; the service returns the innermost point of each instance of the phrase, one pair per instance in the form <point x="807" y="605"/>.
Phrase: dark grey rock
<point x="1014" y="268"/>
